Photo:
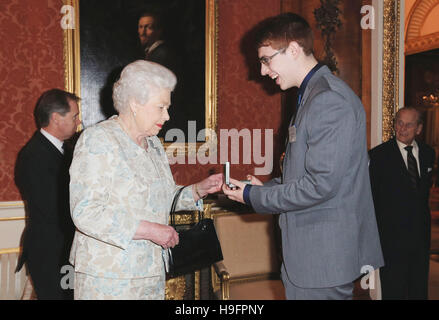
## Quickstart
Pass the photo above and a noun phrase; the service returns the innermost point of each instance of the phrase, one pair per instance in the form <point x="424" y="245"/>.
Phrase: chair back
<point x="248" y="243"/>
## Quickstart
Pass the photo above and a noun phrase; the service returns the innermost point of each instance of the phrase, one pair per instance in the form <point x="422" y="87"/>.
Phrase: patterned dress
<point x="114" y="184"/>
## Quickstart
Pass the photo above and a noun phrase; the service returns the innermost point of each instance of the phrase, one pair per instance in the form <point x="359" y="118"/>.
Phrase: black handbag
<point x="198" y="246"/>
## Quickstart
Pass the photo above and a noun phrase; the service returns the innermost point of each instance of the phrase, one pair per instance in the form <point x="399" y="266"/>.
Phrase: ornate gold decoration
<point x="390" y="65"/>
<point x="191" y="149"/>
<point x="420" y="44"/>
<point x="175" y="288"/>
<point x="73" y="72"/>
<point x="197" y="285"/>
<point x="414" y="42"/>
<point x="72" y="63"/>
<point x="211" y="65"/>
<point x="328" y="21"/>
<point x="207" y="209"/>
<point x="416" y="18"/>
<point x="184" y="217"/>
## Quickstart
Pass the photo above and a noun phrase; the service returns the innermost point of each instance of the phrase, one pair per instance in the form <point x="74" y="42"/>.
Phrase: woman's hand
<point x="209" y="185"/>
<point x="162" y="235"/>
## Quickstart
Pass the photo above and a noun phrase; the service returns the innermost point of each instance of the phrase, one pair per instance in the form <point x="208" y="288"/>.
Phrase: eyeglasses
<point x="266" y="60"/>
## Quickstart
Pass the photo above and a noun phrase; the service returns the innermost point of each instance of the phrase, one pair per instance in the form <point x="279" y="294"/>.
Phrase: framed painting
<point x="101" y="38"/>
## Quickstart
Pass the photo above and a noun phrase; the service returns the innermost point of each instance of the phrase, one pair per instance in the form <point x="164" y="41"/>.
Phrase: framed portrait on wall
<point x="108" y="35"/>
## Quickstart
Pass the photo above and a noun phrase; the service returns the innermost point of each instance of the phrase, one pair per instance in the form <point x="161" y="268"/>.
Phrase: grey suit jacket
<point x="324" y="198"/>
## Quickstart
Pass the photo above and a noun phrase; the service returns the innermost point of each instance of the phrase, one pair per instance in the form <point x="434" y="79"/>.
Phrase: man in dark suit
<point x="401" y="177"/>
<point x="42" y="177"/>
<point x="154" y="47"/>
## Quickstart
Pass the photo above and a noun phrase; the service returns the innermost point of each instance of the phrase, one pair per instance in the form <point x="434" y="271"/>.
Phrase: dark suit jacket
<point x="165" y="55"/>
<point x="403" y="213"/>
<point x="41" y="174"/>
<point x="185" y="97"/>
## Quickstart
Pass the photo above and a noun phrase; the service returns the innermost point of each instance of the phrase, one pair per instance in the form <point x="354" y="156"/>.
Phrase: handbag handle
<point x="174" y="204"/>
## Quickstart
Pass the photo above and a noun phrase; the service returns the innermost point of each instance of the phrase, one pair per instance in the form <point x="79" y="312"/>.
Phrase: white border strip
<point x="377" y="76"/>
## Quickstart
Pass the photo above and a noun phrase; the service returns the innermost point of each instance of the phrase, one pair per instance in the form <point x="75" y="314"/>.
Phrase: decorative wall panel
<point x="31" y="61"/>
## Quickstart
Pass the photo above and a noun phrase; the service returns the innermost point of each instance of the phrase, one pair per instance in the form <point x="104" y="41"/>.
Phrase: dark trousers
<point x="406" y="278"/>
<point x="46" y="278"/>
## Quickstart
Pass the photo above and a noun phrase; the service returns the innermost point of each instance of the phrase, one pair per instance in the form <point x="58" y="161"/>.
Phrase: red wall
<point x="31" y="61"/>
<point x="242" y="102"/>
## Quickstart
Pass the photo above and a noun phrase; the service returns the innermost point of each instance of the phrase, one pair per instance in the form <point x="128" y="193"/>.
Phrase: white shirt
<point x="54" y="140"/>
<point x="404" y="153"/>
<point x="153" y="46"/>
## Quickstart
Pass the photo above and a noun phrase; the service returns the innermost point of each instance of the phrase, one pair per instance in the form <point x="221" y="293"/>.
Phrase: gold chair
<point x="251" y="266"/>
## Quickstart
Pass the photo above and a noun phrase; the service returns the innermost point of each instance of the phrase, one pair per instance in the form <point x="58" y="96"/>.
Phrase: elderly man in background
<point x="43" y="179"/>
<point x="401" y="177"/>
<point x="122" y="190"/>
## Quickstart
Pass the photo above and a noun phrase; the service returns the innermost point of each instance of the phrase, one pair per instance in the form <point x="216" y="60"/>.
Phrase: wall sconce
<point x="431" y="100"/>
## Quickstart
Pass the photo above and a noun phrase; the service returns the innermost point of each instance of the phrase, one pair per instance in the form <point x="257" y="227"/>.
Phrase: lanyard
<point x="303" y="88"/>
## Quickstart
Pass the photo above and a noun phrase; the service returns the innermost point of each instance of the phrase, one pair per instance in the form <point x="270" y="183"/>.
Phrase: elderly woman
<point x="121" y="192"/>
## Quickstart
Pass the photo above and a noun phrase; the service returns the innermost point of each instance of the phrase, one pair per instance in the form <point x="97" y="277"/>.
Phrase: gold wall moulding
<point x="176" y="149"/>
<point x="12" y="219"/>
<point x="10" y="250"/>
<point x="423" y="43"/>
<point x="11" y="204"/>
<point x="391" y="44"/>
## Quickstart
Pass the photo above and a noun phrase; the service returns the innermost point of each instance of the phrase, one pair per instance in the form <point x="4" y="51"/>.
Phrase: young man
<point x="42" y="175"/>
<point x="329" y="231"/>
<point x="401" y="172"/>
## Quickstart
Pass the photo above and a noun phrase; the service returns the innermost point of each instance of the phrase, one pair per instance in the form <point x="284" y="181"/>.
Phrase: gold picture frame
<point x="72" y="66"/>
<point x="391" y="65"/>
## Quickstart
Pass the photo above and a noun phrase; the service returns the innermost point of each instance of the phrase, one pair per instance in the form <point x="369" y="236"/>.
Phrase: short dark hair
<point x="156" y="15"/>
<point x="54" y="100"/>
<point x="280" y="30"/>
<point x="420" y="118"/>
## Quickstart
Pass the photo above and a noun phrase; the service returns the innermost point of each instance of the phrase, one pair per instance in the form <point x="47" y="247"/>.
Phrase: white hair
<point x="141" y="80"/>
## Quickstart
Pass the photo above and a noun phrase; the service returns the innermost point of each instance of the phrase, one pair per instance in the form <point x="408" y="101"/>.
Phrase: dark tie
<point x="412" y="166"/>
